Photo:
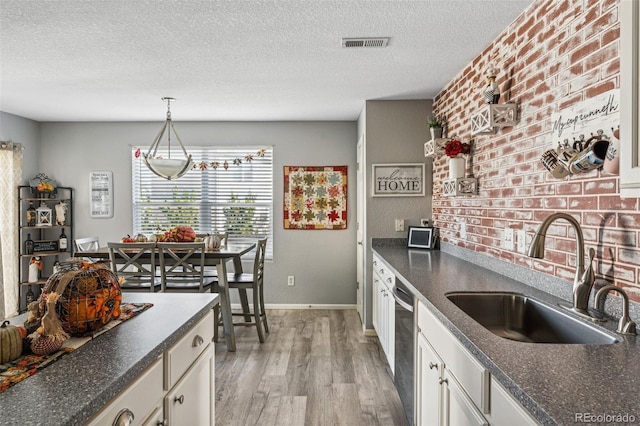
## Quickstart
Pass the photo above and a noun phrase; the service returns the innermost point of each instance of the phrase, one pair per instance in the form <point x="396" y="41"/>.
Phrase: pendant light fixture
<point x="167" y="168"/>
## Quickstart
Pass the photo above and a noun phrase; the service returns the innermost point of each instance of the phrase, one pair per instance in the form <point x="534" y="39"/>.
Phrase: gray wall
<point x="323" y="262"/>
<point x="394" y="132"/>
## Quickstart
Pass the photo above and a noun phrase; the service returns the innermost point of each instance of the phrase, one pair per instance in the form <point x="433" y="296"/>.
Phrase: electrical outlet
<point x="424" y="222"/>
<point x="463" y="230"/>
<point x="508" y="239"/>
<point x="399" y="225"/>
<point x="521" y="241"/>
<point x="291" y="280"/>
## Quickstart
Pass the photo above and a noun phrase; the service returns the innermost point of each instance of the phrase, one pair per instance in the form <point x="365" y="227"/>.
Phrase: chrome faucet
<point x="585" y="277"/>
<point x="625" y="325"/>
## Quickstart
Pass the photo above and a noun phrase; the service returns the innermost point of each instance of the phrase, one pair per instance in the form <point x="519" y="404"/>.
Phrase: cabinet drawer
<point x="467" y="370"/>
<point x="384" y="273"/>
<point x="141" y="398"/>
<point x="184" y="352"/>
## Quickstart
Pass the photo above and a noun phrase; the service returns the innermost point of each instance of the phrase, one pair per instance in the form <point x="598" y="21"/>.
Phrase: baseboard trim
<point x="300" y="306"/>
<point x="370" y="332"/>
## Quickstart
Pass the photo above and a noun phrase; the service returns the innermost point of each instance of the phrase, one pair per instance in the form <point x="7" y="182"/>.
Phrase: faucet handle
<point x="625" y="325"/>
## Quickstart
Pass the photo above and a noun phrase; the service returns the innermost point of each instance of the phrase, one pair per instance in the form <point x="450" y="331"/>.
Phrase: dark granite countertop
<point x="70" y="391"/>
<point x="554" y="382"/>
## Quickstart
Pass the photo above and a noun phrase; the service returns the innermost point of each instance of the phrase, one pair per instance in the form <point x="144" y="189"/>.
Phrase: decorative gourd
<point x="212" y="242"/>
<point x="10" y="342"/>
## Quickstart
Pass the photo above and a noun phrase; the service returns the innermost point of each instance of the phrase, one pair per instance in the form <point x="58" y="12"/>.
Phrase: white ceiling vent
<point x="365" y="42"/>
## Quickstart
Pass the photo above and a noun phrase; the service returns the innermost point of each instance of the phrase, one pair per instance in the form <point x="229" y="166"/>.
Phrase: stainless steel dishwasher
<point x="404" y="346"/>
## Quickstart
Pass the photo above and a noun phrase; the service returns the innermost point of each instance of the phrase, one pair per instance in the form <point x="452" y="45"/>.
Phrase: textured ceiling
<point x="112" y="60"/>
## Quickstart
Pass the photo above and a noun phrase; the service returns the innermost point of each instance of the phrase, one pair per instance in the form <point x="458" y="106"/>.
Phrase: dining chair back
<point x="255" y="282"/>
<point x="136" y="263"/>
<point x="85" y="244"/>
<point x="182" y="267"/>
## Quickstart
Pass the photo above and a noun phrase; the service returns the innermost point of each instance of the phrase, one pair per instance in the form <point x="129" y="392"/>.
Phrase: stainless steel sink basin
<point x="517" y="317"/>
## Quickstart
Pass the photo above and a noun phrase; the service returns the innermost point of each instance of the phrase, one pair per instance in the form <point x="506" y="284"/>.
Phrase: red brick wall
<point x="555" y="54"/>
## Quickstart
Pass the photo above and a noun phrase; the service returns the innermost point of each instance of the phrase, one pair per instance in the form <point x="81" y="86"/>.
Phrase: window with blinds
<point x="238" y="200"/>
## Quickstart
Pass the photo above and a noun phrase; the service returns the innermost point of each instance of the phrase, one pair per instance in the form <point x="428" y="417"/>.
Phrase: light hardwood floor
<point x="315" y="368"/>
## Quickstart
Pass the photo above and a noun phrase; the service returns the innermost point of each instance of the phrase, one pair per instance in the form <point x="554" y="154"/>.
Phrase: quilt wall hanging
<point x="315" y="197"/>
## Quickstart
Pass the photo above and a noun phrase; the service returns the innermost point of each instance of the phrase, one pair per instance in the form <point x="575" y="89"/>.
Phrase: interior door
<point x="360" y="230"/>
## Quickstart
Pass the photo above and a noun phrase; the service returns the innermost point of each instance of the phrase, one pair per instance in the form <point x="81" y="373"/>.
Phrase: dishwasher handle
<point x="398" y="298"/>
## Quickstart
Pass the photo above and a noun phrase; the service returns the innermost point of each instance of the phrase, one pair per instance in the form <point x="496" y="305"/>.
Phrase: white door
<point x="360" y="231"/>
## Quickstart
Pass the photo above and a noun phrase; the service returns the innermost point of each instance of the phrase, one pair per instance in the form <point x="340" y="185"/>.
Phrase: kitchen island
<point x="79" y="385"/>
<point x="555" y="383"/>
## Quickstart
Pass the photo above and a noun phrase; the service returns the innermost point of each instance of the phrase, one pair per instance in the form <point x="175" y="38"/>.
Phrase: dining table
<point x="212" y="257"/>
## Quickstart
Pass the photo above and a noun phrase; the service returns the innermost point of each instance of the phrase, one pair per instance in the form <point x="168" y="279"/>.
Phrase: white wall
<point x="323" y="262"/>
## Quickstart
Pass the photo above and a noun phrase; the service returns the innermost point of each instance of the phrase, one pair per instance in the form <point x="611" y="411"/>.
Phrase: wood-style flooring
<point x="315" y="368"/>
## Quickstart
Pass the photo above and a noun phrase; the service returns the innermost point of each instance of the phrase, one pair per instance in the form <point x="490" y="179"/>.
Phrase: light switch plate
<point x="508" y="239"/>
<point x="521" y="241"/>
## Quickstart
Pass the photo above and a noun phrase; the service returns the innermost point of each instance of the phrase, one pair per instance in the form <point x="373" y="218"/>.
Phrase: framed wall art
<point x="315" y="197"/>
<point x="101" y="194"/>
<point x="398" y="180"/>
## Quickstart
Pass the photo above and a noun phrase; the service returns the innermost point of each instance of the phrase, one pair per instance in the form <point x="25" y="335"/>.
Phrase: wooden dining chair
<point x="84" y="244"/>
<point x="250" y="281"/>
<point x="136" y="263"/>
<point x="182" y="267"/>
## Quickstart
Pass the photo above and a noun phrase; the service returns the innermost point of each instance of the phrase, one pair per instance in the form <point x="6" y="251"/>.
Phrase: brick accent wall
<point x="555" y="54"/>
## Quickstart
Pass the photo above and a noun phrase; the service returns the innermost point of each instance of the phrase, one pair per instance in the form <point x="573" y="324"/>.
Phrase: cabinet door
<point x="505" y="410"/>
<point x="375" y="303"/>
<point x="630" y="98"/>
<point x="459" y="410"/>
<point x="390" y="312"/>
<point x="191" y="401"/>
<point x="428" y="389"/>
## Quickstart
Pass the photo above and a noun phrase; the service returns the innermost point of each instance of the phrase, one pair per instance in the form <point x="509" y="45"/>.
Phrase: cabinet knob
<point x="124" y="418"/>
<point x="179" y="399"/>
<point x="375" y="263"/>
<point x="382" y="270"/>
<point x="162" y="422"/>
<point x="432" y="365"/>
<point x="197" y="341"/>
<point x="389" y="280"/>
<point x="441" y="380"/>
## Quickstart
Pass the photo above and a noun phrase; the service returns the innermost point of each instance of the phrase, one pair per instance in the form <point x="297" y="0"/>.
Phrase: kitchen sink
<point x="515" y="316"/>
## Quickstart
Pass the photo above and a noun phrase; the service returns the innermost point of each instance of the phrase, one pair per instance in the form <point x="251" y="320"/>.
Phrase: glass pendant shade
<point x="168" y="168"/>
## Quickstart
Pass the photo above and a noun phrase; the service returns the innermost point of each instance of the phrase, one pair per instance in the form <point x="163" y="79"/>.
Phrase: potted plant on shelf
<point x="454" y="149"/>
<point x="436" y="124"/>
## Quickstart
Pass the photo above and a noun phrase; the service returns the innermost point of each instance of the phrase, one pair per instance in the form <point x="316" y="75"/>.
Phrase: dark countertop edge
<point x="380" y="246"/>
<point x="11" y="399"/>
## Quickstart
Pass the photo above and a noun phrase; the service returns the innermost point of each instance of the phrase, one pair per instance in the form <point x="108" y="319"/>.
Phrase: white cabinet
<point x="630" y="98"/>
<point x="506" y="411"/>
<point x="190" y="401"/>
<point x="452" y="387"/>
<point x="383" y="313"/>
<point x="178" y="388"/>
<point x="428" y="375"/>
<point x="450" y="399"/>
<point x="137" y="402"/>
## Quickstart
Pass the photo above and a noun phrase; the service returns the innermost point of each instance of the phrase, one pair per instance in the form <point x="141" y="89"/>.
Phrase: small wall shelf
<point x="435" y="146"/>
<point x="459" y="186"/>
<point x="491" y="117"/>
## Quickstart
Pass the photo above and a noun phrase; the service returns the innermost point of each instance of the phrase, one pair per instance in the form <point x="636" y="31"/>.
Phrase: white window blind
<point x="238" y="201"/>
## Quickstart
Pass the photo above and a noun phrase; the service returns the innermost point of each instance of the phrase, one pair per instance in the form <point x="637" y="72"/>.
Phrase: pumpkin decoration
<point x="10" y="342"/>
<point x="78" y="300"/>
